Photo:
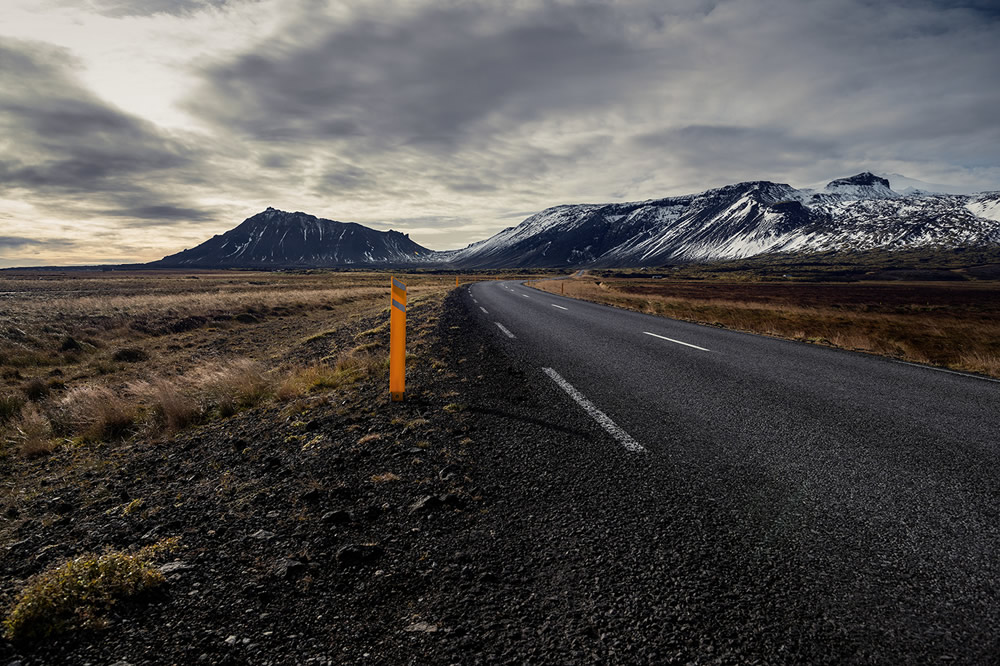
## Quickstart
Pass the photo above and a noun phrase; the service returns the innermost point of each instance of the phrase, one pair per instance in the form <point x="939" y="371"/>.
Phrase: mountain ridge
<point x="859" y="212"/>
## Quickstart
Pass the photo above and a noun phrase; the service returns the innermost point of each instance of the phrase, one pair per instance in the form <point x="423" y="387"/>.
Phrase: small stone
<point x="448" y="472"/>
<point x="339" y="517"/>
<point x="231" y="640"/>
<point x="262" y="535"/>
<point x="174" y="567"/>
<point x="312" y="496"/>
<point x="356" y="554"/>
<point x="272" y="515"/>
<point x="422" y="628"/>
<point x="425" y="503"/>
<point x="287" y="567"/>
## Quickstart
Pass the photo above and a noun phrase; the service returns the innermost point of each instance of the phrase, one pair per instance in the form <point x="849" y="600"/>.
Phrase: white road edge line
<point x="558" y="306"/>
<point x="483" y="309"/>
<point x="950" y="372"/>
<point x="505" y="331"/>
<point x="686" y="344"/>
<point x="603" y="419"/>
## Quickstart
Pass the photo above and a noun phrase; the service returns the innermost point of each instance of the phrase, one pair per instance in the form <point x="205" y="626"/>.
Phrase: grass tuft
<point x="34" y="432"/>
<point x="240" y="385"/>
<point x="75" y="594"/>
<point x="98" y="413"/>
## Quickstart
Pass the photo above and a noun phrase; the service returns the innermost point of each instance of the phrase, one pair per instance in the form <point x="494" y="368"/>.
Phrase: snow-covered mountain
<point x="276" y="239"/>
<point x="857" y="213"/>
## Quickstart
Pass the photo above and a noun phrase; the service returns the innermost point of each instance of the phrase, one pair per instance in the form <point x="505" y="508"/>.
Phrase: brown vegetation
<point x="954" y="324"/>
<point x="106" y="356"/>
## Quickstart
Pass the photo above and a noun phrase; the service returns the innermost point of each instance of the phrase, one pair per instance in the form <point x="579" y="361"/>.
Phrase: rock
<point x="272" y="515"/>
<point x="60" y="506"/>
<point x="422" y="628"/>
<point x="231" y="640"/>
<point x="431" y="502"/>
<point x="288" y="567"/>
<point x="339" y="517"/>
<point x="312" y="496"/>
<point x="357" y="554"/>
<point x="426" y="503"/>
<point x="262" y="535"/>
<point x="448" y="472"/>
<point x="174" y="567"/>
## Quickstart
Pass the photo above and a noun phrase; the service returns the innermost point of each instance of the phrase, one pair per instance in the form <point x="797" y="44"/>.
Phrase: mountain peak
<point x="863" y="179"/>
<point x="865" y="185"/>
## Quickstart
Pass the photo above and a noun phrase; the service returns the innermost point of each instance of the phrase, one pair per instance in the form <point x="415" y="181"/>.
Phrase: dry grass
<point x="946" y="325"/>
<point x="241" y="384"/>
<point x="97" y="412"/>
<point x="170" y="407"/>
<point x="33" y="432"/>
<point x="387" y="477"/>
<point x="10" y="406"/>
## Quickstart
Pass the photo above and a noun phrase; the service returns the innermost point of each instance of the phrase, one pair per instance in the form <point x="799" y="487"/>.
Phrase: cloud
<point x="18" y="242"/>
<point x="470" y="114"/>
<point x="124" y="8"/>
<point x="74" y="153"/>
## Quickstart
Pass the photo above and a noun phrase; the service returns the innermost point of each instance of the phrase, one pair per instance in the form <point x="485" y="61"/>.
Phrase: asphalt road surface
<point x="868" y="489"/>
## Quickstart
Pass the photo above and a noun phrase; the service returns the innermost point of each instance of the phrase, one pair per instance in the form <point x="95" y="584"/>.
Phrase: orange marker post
<point x="456" y="280"/>
<point x="397" y="340"/>
<point x="562" y="287"/>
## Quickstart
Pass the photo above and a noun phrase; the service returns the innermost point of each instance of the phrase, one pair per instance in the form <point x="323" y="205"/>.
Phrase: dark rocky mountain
<point x="276" y="239"/>
<point x="857" y="213"/>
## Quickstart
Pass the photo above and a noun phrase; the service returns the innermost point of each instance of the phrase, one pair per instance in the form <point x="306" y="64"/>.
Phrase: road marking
<point x="686" y="344"/>
<point x="483" y="309"/>
<point x="950" y="372"/>
<point x="558" y="306"/>
<point x="526" y="296"/>
<point x="505" y="331"/>
<point x="623" y="437"/>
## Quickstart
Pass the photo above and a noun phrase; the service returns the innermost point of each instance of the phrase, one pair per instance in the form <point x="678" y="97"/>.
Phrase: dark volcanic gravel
<point x="518" y="532"/>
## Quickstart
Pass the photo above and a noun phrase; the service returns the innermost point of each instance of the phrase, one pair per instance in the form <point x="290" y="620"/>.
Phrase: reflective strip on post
<point x="397" y="340"/>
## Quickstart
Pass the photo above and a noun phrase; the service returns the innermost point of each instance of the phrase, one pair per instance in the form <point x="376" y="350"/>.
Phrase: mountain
<point x="861" y="212"/>
<point x="276" y="239"/>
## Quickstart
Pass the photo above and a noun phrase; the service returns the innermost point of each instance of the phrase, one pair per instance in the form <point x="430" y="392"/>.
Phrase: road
<point x="869" y="486"/>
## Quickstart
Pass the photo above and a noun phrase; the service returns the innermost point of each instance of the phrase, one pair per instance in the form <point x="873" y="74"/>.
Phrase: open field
<point x="107" y="355"/>
<point x="950" y="324"/>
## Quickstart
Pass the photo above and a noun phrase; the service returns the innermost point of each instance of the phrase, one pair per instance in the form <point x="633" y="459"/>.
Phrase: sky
<point x="131" y="129"/>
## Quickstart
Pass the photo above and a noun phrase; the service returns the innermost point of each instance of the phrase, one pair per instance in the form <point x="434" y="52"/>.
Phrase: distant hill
<point x="276" y="239"/>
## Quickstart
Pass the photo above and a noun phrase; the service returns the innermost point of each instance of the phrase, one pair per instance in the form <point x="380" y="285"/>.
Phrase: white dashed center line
<point x="686" y="344"/>
<point x="526" y="296"/>
<point x="483" y="309"/>
<point x="623" y="437"/>
<point x="505" y="331"/>
<point x="558" y="306"/>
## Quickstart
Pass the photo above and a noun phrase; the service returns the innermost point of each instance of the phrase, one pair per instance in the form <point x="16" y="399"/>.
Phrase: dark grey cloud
<point x="427" y="79"/>
<point x="74" y="152"/>
<point x="17" y="242"/>
<point x="465" y="96"/>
